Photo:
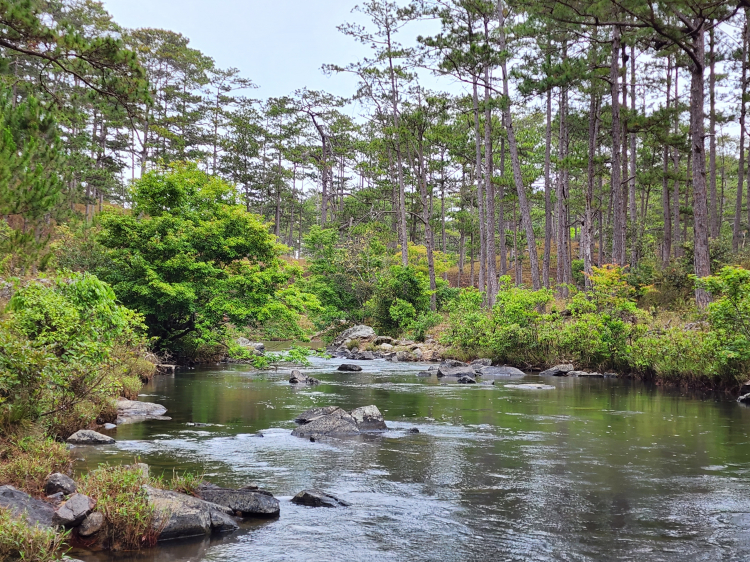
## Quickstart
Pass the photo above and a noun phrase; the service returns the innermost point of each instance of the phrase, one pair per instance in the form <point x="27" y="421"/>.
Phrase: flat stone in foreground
<point x="316" y="498"/>
<point x="89" y="437"/>
<point x="257" y="503"/>
<point x="179" y="515"/>
<point x="21" y="504"/>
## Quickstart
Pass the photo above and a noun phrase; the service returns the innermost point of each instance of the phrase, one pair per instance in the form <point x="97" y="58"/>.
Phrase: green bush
<point x="66" y="350"/>
<point x="400" y="295"/>
<point x="190" y="258"/>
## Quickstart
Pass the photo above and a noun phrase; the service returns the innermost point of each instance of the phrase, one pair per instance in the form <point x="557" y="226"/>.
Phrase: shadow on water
<point x="596" y="469"/>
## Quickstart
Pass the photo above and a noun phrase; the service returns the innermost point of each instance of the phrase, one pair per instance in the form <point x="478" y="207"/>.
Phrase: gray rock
<point x="453" y="363"/>
<point x="88" y="437"/>
<point x="745" y="388"/>
<point x="20" y="504"/>
<point x="460" y="371"/>
<point x="59" y="483"/>
<point x="348" y="367"/>
<point x="386" y="346"/>
<point x="531" y="386"/>
<point x="405" y="356"/>
<point x="365" y="356"/>
<point x="298" y="378"/>
<point x="466" y="380"/>
<point x="413" y="430"/>
<point x="384" y="340"/>
<point x="132" y="411"/>
<point x="314" y="413"/>
<point x="425" y="373"/>
<point x="179" y="515"/>
<point x="73" y="511"/>
<point x="359" y="332"/>
<point x="417" y="353"/>
<point x="337" y="423"/>
<point x="503" y="371"/>
<point x="482" y="362"/>
<point x="256" y="503"/>
<point x="368" y="418"/>
<point x="558" y="370"/>
<point x="316" y="498"/>
<point x="432" y="368"/>
<point x="585" y="374"/>
<point x="56" y="499"/>
<point x="257" y="346"/>
<point x="109" y="426"/>
<point x="92" y="524"/>
<point x="744" y="399"/>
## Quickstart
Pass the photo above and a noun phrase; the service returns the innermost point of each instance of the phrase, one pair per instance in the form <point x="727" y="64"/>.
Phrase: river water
<point x="591" y="470"/>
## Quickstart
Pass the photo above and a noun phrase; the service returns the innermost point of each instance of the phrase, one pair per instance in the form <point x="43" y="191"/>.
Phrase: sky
<point x="279" y="44"/>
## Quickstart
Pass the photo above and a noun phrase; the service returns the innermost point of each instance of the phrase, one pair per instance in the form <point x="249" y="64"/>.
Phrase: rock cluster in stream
<point x="213" y="509"/>
<point x="361" y="343"/>
<point x="332" y="421"/>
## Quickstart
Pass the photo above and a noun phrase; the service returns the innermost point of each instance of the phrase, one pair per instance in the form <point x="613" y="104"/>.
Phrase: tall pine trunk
<point x="618" y="229"/>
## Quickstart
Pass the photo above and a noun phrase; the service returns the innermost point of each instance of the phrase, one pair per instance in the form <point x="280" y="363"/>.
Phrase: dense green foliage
<point x="66" y="349"/>
<point x="190" y="258"/>
<point x="604" y="329"/>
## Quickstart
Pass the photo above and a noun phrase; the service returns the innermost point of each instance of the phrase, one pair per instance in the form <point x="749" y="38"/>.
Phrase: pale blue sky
<point x="279" y="44"/>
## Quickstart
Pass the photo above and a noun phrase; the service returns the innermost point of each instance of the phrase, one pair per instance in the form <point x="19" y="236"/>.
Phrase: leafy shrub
<point x="419" y="327"/>
<point x="401" y="290"/>
<point x="21" y="541"/>
<point x="189" y="257"/>
<point x="67" y="348"/>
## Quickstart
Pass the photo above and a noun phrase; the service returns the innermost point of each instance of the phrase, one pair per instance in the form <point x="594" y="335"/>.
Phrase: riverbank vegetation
<point x="582" y="196"/>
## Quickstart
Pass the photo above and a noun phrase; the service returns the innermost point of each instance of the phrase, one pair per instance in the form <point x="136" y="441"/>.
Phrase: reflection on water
<point x="591" y="470"/>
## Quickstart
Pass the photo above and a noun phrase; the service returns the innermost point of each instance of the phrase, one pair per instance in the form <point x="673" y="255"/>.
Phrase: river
<point x="593" y="470"/>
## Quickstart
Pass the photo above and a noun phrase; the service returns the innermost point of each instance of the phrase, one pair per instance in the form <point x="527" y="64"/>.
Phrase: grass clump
<point x="185" y="482"/>
<point x="121" y="498"/>
<point x="25" y="462"/>
<point x="21" y="541"/>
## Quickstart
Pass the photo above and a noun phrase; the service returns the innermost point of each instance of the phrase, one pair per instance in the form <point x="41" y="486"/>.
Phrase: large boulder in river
<point x="313" y="413"/>
<point x="89" y="437"/>
<point x="338" y="423"/>
<point x="481" y="362"/>
<point x="254" y="345"/>
<point x="460" y="371"/>
<point x="131" y="411"/>
<point x="368" y="418"/>
<point x="467" y="380"/>
<point x="349" y="368"/>
<point x="21" y="504"/>
<point x="179" y="515"/>
<point x="558" y="370"/>
<point x="316" y="498"/>
<point x="503" y="371"/>
<point x="247" y="502"/>
<point x="359" y="332"/>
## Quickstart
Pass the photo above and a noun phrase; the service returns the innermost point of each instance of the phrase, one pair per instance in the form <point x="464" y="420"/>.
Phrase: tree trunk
<point x="633" y="163"/>
<point x="480" y="191"/>
<point x="587" y="233"/>
<point x="666" y="208"/>
<point x="712" y="203"/>
<point x="523" y="202"/>
<point x="700" y="205"/>
<point x="618" y="229"/>
<point x="489" y="190"/>
<point x="547" y="194"/>
<point x="676" y="238"/>
<point x="737" y="227"/>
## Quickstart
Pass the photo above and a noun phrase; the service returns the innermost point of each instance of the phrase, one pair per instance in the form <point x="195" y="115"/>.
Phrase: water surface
<point x="594" y="470"/>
